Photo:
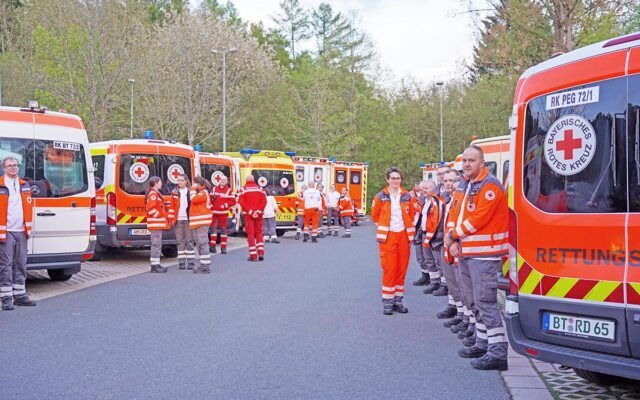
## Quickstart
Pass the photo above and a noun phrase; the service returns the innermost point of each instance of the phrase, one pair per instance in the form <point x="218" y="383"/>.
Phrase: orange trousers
<point x="394" y="259"/>
<point x="311" y="217"/>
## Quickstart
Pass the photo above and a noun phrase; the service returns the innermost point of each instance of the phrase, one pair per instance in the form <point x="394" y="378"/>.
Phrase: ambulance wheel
<point x="280" y="232"/>
<point x="170" y="251"/>
<point x="596" y="377"/>
<point x="58" y="275"/>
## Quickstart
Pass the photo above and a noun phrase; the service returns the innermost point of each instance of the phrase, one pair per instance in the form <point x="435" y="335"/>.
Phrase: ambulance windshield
<point x="275" y="182"/>
<point x="575" y="156"/>
<point x="214" y="172"/>
<point x="136" y="169"/>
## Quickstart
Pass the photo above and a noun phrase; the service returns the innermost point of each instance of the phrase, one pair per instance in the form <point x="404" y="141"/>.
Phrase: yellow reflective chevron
<point x="532" y="282"/>
<point x="562" y="287"/>
<point x="601" y="290"/>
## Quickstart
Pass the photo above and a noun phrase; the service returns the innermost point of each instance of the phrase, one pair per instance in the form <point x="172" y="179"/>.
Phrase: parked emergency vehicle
<point x="353" y="176"/>
<point x="274" y="172"/>
<point x="53" y="151"/>
<point x="430" y="172"/>
<point x="318" y="170"/>
<point x="212" y="167"/>
<point x="123" y="169"/>
<point x="574" y="198"/>
<point x="496" y="155"/>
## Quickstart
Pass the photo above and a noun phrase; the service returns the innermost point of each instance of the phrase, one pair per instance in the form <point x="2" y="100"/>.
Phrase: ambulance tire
<point x="58" y="275"/>
<point x="280" y="232"/>
<point x="597" y="377"/>
<point x="170" y="251"/>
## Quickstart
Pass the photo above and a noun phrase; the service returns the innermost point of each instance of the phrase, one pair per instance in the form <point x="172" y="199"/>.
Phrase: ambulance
<point x="353" y="176"/>
<point x="430" y="172"/>
<point x="318" y="170"/>
<point x="213" y="167"/>
<point x="574" y="205"/>
<point x="496" y="155"/>
<point x="274" y="172"/>
<point x="122" y="171"/>
<point x="457" y="164"/>
<point x="53" y="151"/>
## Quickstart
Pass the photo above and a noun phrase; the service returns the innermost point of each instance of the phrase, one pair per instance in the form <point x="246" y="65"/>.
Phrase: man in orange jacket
<point x="477" y="235"/>
<point x="393" y="213"/>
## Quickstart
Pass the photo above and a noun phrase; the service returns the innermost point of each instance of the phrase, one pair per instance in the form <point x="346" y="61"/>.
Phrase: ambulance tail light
<point x="513" y="253"/>
<point x="92" y="219"/>
<point x="111" y="209"/>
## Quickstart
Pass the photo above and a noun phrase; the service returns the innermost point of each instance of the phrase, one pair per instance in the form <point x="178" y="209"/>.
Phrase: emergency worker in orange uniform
<point x="200" y="220"/>
<point x="252" y="199"/>
<point x="157" y="221"/>
<point x="300" y="211"/>
<point x="393" y="213"/>
<point x="222" y="199"/>
<point x="179" y="218"/>
<point x="312" y="206"/>
<point x="16" y="219"/>
<point x="478" y="237"/>
<point x="345" y="206"/>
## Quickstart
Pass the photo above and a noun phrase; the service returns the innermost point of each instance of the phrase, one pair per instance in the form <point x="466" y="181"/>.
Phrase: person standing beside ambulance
<point x="393" y="214"/>
<point x="222" y="199"/>
<point x="333" y="197"/>
<point x="478" y="237"/>
<point x="269" y="219"/>
<point x="312" y="206"/>
<point x="252" y="200"/>
<point x="179" y="218"/>
<point x="16" y="214"/>
<point x="200" y="220"/>
<point x="157" y="221"/>
<point x="300" y="211"/>
<point x="346" y="209"/>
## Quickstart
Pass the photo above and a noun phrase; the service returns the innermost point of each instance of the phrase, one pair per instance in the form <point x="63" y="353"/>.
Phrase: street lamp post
<point x="131" y="81"/>
<point x="440" y="84"/>
<point x="224" y="92"/>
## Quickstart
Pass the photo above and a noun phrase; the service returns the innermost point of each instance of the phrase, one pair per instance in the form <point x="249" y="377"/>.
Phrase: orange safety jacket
<point x="174" y="206"/>
<point x="381" y="213"/>
<point x="157" y="218"/>
<point x="222" y="199"/>
<point x="478" y="217"/>
<point x="300" y="205"/>
<point x="27" y="207"/>
<point x="200" y="208"/>
<point x="435" y="213"/>
<point x="345" y="205"/>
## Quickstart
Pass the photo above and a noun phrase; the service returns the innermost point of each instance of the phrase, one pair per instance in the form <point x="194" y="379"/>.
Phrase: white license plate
<point x="570" y="325"/>
<point x="139" y="232"/>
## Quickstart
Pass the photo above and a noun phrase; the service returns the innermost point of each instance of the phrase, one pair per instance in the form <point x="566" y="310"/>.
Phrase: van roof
<point x="491" y="139"/>
<point x="585" y="52"/>
<point x="144" y="142"/>
<point x="17" y="114"/>
<point x="205" y="154"/>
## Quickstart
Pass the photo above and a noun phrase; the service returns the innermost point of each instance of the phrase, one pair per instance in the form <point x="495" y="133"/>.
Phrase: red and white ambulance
<point x="574" y="198"/>
<point x="213" y="167"/>
<point x="53" y="151"/>
<point x="122" y="171"/>
<point x="353" y="176"/>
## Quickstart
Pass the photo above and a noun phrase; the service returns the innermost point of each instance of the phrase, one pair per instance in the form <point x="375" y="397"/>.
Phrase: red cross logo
<point x="569" y="144"/>
<point x="175" y="173"/>
<point x="217" y="178"/>
<point x="139" y="171"/>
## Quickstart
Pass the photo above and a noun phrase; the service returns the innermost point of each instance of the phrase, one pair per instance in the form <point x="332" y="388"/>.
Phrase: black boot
<point x="431" y="288"/>
<point x="387" y="306"/>
<point x="261" y="258"/>
<point x="424" y="280"/>
<point x="7" y="303"/>
<point x="470" y="341"/>
<point x="321" y="235"/>
<point x="442" y="291"/>
<point x="314" y="239"/>
<point x="223" y="250"/>
<point x="297" y="236"/>
<point x="190" y="265"/>
<point x="465" y="334"/>
<point x="449" y="312"/>
<point x="462" y="326"/>
<point x="453" y="321"/>
<point x="213" y="250"/>
<point x="471" y="352"/>
<point x="488" y="362"/>
<point x="335" y="233"/>
<point x="306" y="238"/>
<point x="182" y="266"/>
<point x="398" y="306"/>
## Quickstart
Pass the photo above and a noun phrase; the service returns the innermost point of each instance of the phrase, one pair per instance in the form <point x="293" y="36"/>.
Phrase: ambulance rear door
<point x="63" y="189"/>
<point x="340" y="177"/>
<point x="356" y="175"/>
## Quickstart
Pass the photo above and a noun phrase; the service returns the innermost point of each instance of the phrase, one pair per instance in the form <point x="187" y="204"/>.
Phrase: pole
<point x="0" y="88"/>
<point x="224" y="101"/>
<point x="132" y="81"/>
<point x="440" y="85"/>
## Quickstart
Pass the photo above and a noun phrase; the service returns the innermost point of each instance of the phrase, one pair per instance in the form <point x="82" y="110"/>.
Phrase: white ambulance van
<point x="53" y="151"/>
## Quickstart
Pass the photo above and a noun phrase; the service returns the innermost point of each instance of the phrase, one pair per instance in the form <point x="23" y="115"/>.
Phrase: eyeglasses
<point x="395" y="178"/>
<point x="12" y="166"/>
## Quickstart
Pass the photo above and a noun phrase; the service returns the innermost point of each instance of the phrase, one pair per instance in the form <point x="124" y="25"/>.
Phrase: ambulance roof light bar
<point x="249" y="151"/>
<point x="148" y="134"/>
<point x="197" y="147"/>
<point x="32" y="106"/>
<point x="290" y="153"/>
<point x="422" y="165"/>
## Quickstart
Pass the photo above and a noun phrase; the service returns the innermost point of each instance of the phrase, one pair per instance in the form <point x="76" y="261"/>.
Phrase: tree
<point x="330" y="31"/>
<point x="293" y="24"/>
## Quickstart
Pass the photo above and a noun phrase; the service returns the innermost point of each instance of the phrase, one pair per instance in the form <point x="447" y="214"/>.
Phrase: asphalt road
<point x="304" y="324"/>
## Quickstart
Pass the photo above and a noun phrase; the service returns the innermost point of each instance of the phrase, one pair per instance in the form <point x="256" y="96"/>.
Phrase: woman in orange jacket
<point x="179" y="218"/>
<point x="199" y="221"/>
<point x="157" y="221"/>
<point x="393" y="212"/>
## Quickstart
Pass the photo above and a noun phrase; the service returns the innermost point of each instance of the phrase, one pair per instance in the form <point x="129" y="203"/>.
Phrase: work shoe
<point x="387" y="306"/>
<point x="471" y="352"/>
<point x="260" y="258"/>
<point x="201" y="270"/>
<point x="449" y="312"/>
<point x="275" y="241"/>
<point x="266" y="240"/>
<point x="462" y="326"/>
<point x="465" y="334"/>
<point x="431" y="288"/>
<point x="161" y="270"/>
<point x="469" y="342"/>
<point x="190" y="266"/>
<point x="252" y="259"/>
<point x="297" y="236"/>
<point x="181" y="266"/>
<point x="213" y="250"/>
<point x="335" y="233"/>
<point x="306" y="238"/>
<point x="7" y="303"/>
<point x="321" y="235"/>
<point x="453" y="321"/>
<point x="223" y="250"/>
<point x="399" y="307"/>
<point x="442" y="291"/>
<point x="314" y="240"/>
<point x="424" y="280"/>
<point x="346" y="235"/>
<point x="488" y="362"/>
<point x="23" y="300"/>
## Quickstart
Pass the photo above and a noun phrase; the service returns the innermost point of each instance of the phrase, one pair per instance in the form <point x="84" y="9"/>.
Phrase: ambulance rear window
<point x="98" y="167"/>
<point x="213" y="173"/>
<point x="136" y="169"/>
<point x="493" y="167"/>
<point x="275" y="182"/>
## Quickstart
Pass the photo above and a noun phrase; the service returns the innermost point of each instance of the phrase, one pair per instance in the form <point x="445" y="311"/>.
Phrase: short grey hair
<point x="7" y="158"/>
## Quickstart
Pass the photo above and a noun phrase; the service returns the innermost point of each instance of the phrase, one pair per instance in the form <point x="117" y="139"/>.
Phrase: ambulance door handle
<point x="46" y="214"/>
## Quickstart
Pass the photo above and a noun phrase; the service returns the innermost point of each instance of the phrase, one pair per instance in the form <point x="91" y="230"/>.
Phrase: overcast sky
<point x="425" y="38"/>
